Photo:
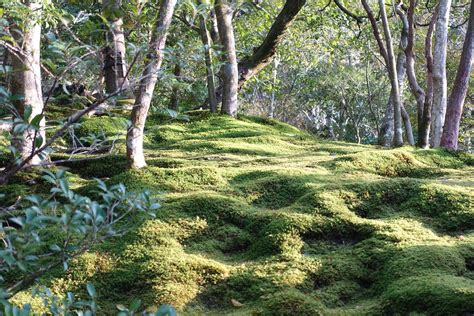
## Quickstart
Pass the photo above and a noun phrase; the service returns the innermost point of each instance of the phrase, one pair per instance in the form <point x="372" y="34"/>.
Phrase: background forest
<point x="236" y="157"/>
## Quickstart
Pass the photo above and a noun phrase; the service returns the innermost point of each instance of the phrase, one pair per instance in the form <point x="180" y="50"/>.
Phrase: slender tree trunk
<point x="147" y="84"/>
<point x="114" y="53"/>
<point x="450" y="135"/>
<point x="214" y="31"/>
<point x="229" y="71"/>
<point x="26" y="81"/>
<point x="174" y="99"/>
<point x="402" y="74"/>
<point x="386" y="129"/>
<point x="388" y="121"/>
<point x="425" y="126"/>
<point x="398" y="135"/>
<point x="271" y="110"/>
<point x="440" y="84"/>
<point x="409" y="23"/>
<point x="211" y="85"/>
<point x="407" y="125"/>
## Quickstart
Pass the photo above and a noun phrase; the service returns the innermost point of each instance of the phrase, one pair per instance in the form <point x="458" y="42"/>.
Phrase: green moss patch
<point x="258" y="217"/>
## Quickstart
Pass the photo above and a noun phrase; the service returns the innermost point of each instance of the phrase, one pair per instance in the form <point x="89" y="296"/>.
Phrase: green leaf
<point x="27" y="113"/>
<point x="91" y="290"/>
<point x="135" y="304"/>
<point x="36" y="120"/>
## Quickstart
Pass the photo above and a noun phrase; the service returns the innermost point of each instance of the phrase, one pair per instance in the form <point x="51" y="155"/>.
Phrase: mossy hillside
<point x="256" y="211"/>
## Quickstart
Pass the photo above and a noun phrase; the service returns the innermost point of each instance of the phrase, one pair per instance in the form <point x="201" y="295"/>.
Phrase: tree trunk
<point x="271" y="110"/>
<point x="263" y="55"/>
<point x="211" y="86"/>
<point x="450" y="135"/>
<point x="440" y="85"/>
<point x="114" y="53"/>
<point x="424" y="127"/>
<point x="387" y="130"/>
<point x="229" y="71"/>
<point x="26" y="81"/>
<point x="402" y="74"/>
<point x="391" y="65"/>
<point x="174" y="99"/>
<point x="147" y="84"/>
<point x="416" y="89"/>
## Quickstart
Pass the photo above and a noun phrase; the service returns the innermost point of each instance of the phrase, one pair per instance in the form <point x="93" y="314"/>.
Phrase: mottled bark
<point x="391" y="65"/>
<point x="387" y="129"/>
<point x="450" y="135"/>
<point x="229" y="70"/>
<point x="211" y="86"/>
<point x="26" y="81"/>
<point x="147" y="84"/>
<point x="424" y="127"/>
<point x="409" y="22"/>
<point x="114" y="53"/>
<point x="440" y="84"/>
<point x="174" y="99"/>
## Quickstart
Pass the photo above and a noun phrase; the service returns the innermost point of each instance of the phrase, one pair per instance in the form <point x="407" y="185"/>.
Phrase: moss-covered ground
<point x="260" y="218"/>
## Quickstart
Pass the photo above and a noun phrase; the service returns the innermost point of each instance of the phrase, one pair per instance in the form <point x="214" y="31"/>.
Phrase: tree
<point x="263" y="55"/>
<point x="440" y="84"/>
<point x="423" y="98"/>
<point x="388" y="54"/>
<point x="26" y="83"/>
<point x="229" y="71"/>
<point x="211" y="86"/>
<point x="115" y="67"/>
<point x="147" y="83"/>
<point x="455" y="105"/>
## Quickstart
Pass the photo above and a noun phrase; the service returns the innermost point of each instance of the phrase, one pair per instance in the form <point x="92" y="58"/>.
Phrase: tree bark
<point x="391" y="65"/>
<point x="26" y="81"/>
<point x="449" y="139"/>
<point x="229" y="71"/>
<point x="263" y="55"/>
<point x="147" y="84"/>
<point x="409" y="22"/>
<point x="424" y="127"/>
<point x="387" y="130"/>
<point x="174" y="99"/>
<point x="114" y="53"/>
<point x="440" y="85"/>
<point x="211" y="86"/>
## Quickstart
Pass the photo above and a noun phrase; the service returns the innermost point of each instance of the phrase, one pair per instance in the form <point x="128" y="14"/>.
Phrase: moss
<point x="215" y="208"/>
<point x="257" y="211"/>
<point x="274" y="192"/>
<point x="386" y="163"/>
<point x="159" y="179"/>
<point x="417" y="260"/>
<point x="434" y="294"/>
<point x="291" y="302"/>
<point x="105" y="127"/>
<point x="339" y="293"/>
<point x="94" y="167"/>
<point x="447" y="208"/>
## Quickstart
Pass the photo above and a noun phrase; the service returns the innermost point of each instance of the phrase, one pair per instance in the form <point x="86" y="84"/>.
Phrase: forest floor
<point x="258" y="217"/>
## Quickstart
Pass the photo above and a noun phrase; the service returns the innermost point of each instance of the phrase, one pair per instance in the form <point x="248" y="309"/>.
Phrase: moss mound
<point x="291" y="302"/>
<point x="258" y="217"/>
<point x="436" y="294"/>
<point x="101" y="127"/>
